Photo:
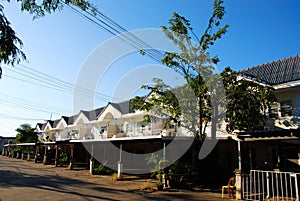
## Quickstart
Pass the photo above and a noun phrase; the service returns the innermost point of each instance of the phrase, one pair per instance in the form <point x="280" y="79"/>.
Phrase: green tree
<point x="247" y="102"/>
<point x="10" y="44"/>
<point x="26" y="134"/>
<point x="195" y="64"/>
<point x="194" y="61"/>
<point x="206" y="98"/>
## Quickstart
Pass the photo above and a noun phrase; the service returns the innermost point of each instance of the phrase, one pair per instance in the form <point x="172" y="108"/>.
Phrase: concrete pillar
<point x="36" y="153"/>
<point x="28" y="156"/>
<point x="56" y="156"/>
<point x="239" y="155"/>
<point x="92" y="160"/>
<point x="71" y="165"/>
<point x="120" y="170"/>
<point x="164" y="151"/>
<point x="91" y="165"/>
<point x="22" y="155"/>
<point x="238" y="184"/>
<point x="250" y="156"/>
<point x="120" y="164"/>
<point x="45" y="156"/>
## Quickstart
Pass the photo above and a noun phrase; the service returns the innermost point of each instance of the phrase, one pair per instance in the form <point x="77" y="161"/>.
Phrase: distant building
<point x="5" y="140"/>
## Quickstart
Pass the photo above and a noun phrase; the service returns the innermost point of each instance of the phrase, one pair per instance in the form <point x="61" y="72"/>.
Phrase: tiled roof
<point x="51" y="123"/>
<point x="72" y="119"/>
<point x="276" y="72"/>
<point x="123" y="107"/>
<point x="55" y="123"/>
<point x="269" y="133"/>
<point x="93" y="114"/>
<point x="65" y="118"/>
<point x="44" y="126"/>
<point x="40" y="125"/>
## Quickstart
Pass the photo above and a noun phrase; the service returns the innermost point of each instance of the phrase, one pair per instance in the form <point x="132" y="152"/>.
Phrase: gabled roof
<point x="50" y="123"/>
<point x="72" y="119"/>
<point x="43" y="126"/>
<point x="276" y="72"/>
<point x="92" y="114"/>
<point x="55" y="123"/>
<point x="123" y="107"/>
<point x="40" y="126"/>
<point x="65" y="118"/>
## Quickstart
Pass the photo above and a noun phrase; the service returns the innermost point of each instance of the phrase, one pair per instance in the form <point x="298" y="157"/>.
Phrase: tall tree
<point x="10" y="44"/>
<point x="206" y="98"/>
<point x="194" y="63"/>
<point x="26" y="134"/>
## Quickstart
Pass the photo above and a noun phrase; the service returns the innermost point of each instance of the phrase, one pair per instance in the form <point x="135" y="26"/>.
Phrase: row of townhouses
<point x="277" y="146"/>
<point x="118" y="120"/>
<point x="115" y="120"/>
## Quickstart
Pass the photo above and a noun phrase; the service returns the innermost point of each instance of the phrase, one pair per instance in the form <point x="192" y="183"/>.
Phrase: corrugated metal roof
<point x="276" y="72"/>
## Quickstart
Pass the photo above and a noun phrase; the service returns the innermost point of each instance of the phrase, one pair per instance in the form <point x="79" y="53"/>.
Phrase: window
<point x="273" y="111"/>
<point x="103" y="129"/>
<point x="286" y="108"/>
<point x="128" y="127"/>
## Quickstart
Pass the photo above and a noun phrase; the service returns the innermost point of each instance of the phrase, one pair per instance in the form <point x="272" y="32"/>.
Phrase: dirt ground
<point x="25" y="180"/>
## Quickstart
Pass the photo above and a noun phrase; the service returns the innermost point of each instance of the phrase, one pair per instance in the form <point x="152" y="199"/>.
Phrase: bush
<point x="63" y="158"/>
<point x="102" y="170"/>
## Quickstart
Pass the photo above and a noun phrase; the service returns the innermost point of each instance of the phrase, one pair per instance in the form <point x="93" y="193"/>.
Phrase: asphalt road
<point x="25" y="180"/>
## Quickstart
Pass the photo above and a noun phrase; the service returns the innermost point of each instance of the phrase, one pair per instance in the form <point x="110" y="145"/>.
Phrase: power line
<point x="117" y="30"/>
<point x="54" y="83"/>
<point x="66" y="84"/>
<point x="10" y="116"/>
<point x="22" y="101"/>
<point x="49" y="81"/>
<point x="108" y="25"/>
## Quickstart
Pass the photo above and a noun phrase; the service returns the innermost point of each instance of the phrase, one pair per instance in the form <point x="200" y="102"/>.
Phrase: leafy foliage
<point x="63" y="157"/>
<point x="40" y="8"/>
<point x="162" y="102"/>
<point x="156" y="162"/>
<point x="25" y="134"/>
<point x="206" y="97"/>
<point x="247" y="102"/>
<point x="102" y="169"/>
<point x="10" y="44"/>
<point x="195" y="64"/>
<point x="193" y="61"/>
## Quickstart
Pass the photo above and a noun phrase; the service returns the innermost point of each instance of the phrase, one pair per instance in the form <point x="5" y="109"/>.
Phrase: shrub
<point x="102" y="169"/>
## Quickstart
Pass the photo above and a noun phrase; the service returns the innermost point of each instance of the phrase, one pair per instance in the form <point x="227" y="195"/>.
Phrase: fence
<point x="271" y="185"/>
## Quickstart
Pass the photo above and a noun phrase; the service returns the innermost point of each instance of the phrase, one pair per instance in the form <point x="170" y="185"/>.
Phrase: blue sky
<point x="59" y="44"/>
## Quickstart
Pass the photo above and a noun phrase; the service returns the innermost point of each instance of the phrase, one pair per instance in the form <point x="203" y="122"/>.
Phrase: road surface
<point x="25" y="180"/>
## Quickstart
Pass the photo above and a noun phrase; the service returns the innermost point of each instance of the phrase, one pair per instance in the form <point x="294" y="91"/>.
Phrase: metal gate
<point x="271" y="185"/>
